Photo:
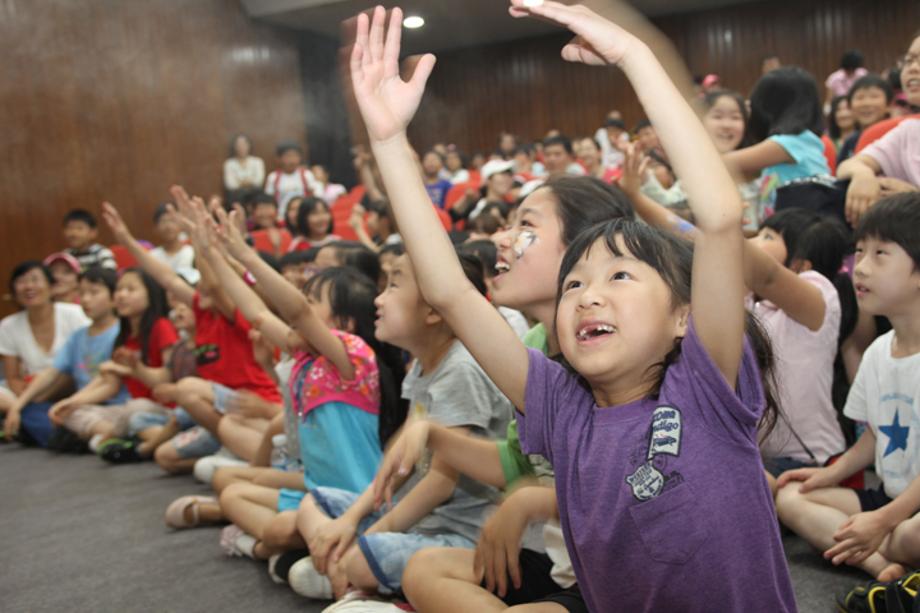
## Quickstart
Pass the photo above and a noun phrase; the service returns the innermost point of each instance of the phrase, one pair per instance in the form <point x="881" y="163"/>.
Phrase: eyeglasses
<point x="908" y="59"/>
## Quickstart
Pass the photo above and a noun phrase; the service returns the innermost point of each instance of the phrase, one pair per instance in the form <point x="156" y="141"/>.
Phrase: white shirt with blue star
<point x="885" y="394"/>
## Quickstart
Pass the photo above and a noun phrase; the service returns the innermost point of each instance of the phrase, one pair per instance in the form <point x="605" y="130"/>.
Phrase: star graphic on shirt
<point x="897" y="435"/>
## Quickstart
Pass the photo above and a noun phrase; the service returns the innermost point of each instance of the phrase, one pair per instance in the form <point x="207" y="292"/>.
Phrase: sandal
<point x="898" y="596"/>
<point x="175" y="512"/>
<point x="120" y="451"/>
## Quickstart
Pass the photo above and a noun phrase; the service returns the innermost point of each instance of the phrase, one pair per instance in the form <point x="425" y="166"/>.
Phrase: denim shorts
<point x="196" y="442"/>
<point x="223" y="396"/>
<point x="142" y="421"/>
<point x="387" y="553"/>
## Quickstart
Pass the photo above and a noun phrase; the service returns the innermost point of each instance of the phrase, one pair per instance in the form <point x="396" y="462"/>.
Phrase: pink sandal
<point x="175" y="512"/>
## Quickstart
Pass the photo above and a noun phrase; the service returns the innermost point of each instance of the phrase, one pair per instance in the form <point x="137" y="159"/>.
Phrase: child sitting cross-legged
<point x="875" y="530"/>
<point x="660" y="390"/>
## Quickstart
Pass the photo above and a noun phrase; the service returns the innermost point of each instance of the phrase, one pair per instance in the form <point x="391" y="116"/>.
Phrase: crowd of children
<point x="564" y="369"/>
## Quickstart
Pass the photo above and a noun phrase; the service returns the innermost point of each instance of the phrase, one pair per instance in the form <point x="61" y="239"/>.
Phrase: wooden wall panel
<point x="118" y="99"/>
<point x="525" y="87"/>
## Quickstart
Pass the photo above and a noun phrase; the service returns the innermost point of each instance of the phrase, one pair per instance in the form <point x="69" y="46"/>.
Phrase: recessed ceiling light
<point x="413" y="22"/>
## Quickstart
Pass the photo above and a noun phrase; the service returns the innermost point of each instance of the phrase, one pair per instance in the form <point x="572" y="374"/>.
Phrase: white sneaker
<point x="362" y="602"/>
<point x="206" y="467"/>
<point x="305" y="580"/>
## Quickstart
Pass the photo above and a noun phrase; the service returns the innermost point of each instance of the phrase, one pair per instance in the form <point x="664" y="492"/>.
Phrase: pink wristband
<point x="249" y="279"/>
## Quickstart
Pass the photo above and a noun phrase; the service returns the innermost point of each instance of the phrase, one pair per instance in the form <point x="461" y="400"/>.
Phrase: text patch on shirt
<point x="648" y="481"/>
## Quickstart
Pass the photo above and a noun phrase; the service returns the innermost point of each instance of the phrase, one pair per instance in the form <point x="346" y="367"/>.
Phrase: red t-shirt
<point x="830" y="153"/>
<point x="225" y="353"/>
<point x="162" y="337"/>
<point x="876" y="131"/>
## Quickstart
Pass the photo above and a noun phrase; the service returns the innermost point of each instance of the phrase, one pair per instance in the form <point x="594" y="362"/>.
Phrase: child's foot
<point x="891" y="572"/>
<point x="236" y="543"/>
<point x="185" y="512"/>
<point x="120" y="451"/>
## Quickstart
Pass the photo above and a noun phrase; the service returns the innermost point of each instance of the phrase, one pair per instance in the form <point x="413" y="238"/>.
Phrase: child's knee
<point x="789" y="500"/>
<point x="231" y="494"/>
<point x="167" y="457"/>
<point x="419" y="571"/>
<point x="224" y="477"/>
<point x="358" y="571"/>
<point x="906" y="539"/>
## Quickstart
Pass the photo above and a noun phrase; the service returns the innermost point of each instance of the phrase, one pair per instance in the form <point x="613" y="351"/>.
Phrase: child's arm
<point x="857" y="457"/>
<point x="293" y="305"/>
<point x="45" y="380"/>
<point x="263" y="455"/>
<point x="865" y="189"/>
<point x="431" y="491"/>
<point x="161" y="272"/>
<point x="356" y="221"/>
<point x="477" y="458"/>
<point x="387" y="105"/>
<point x="749" y="162"/>
<point x="767" y="278"/>
<point x="97" y="391"/>
<point x="13" y="374"/>
<point x="717" y="294"/>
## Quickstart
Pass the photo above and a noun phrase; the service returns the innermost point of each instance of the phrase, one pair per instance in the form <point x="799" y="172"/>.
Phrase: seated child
<point x="292" y="178"/>
<point x="875" y="530"/>
<point x="80" y="231"/>
<point x="79" y="358"/>
<point x="172" y="250"/>
<point x="66" y="272"/>
<point x="359" y="546"/>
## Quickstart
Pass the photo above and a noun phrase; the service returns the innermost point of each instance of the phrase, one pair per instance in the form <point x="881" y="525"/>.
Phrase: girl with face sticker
<point x="624" y="432"/>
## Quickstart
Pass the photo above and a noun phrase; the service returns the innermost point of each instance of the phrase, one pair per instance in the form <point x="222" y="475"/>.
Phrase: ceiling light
<point x="413" y="22"/>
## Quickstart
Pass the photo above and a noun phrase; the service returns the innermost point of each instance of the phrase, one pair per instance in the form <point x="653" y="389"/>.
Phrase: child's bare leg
<point x="816" y="516"/>
<point x="902" y="548"/>
<point x="252" y="508"/>
<point x="281" y="534"/>
<point x="241" y="436"/>
<point x="442" y="579"/>
<point x="103" y="428"/>
<point x="154" y="437"/>
<point x="196" y="396"/>
<point x="228" y="475"/>
<point x="310" y="518"/>
<point x="358" y="571"/>
<point x="168" y="458"/>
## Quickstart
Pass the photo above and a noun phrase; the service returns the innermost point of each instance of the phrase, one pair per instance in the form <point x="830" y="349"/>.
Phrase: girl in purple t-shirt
<point x="652" y="424"/>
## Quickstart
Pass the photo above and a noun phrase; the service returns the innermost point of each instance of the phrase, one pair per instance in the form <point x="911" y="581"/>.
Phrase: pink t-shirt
<point x="804" y="377"/>
<point x="839" y="83"/>
<point x="898" y="152"/>
<point x="315" y="380"/>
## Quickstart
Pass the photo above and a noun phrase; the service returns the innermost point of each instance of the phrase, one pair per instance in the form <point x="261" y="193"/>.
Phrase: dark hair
<point x="474" y="270"/>
<point x="293" y="258"/>
<point x="101" y="276"/>
<point x="672" y="258"/>
<point x="292" y="228"/>
<point x="785" y="101"/>
<point x="232" y="147"/>
<point x="895" y="220"/>
<point x="162" y="209"/>
<point x="355" y="255"/>
<point x="643" y="123"/>
<point x="871" y="81"/>
<point x="80" y="215"/>
<point x="26" y="267"/>
<point x="351" y="297"/>
<point x="582" y="202"/>
<point x="833" y="128"/>
<point x="485" y="251"/>
<point x="565" y="141"/>
<point x="615" y="123"/>
<point x="156" y="310"/>
<point x="525" y="148"/>
<point x="307" y="206"/>
<point x="262" y="198"/>
<point x="288" y="145"/>
<point x="713" y="96"/>
<point x="852" y="59"/>
<point x="396" y="249"/>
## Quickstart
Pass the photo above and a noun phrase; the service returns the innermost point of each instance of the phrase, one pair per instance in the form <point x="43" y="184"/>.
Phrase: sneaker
<point x="120" y="451"/>
<point x="208" y="465"/>
<point x="279" y="565"/>
<point x="65" y="441"/>
<point x="306" y="581"/>
<point x="237" y="544"/>
<point x="362" y="602"/>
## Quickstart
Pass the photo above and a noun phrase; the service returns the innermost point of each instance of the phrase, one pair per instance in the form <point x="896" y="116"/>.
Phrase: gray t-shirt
<point x="457" y="394"/>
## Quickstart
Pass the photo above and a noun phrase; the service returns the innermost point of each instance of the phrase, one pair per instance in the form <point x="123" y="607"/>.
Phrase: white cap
<point x="493" y="167"/>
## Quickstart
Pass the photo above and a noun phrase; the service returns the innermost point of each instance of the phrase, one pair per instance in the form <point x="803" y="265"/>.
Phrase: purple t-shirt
<point x="663" y="501"/>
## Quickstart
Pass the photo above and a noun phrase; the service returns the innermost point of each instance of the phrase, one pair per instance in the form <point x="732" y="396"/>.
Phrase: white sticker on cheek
<point x="522" y="243"/>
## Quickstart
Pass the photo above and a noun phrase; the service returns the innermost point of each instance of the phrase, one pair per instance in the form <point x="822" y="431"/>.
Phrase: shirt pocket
<point x="670" y="525"/>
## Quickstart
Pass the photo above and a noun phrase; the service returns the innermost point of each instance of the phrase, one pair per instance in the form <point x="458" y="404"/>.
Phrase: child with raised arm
<point x="336" y="388"/>
<point x="875" y="530"/>
<point x="663" y="392"/>
<point x="226" y="362"/>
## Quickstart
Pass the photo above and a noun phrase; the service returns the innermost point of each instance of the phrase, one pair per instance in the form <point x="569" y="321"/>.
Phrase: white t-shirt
<point x="180" y="261"/>
<point x="804" y="377"/>
<point x="885" y="394"/>
<point x="16" y="337"/>
<point x="284" y="186"/>
<point x="250" y="171"/>
<point x="516" y="320"/>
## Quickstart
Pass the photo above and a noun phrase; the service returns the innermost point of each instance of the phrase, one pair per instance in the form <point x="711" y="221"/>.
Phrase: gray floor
<point x="78" y="535"/>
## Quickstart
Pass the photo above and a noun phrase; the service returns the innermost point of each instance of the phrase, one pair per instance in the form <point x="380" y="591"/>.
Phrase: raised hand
<point x="635" y="167"/>
<point x="115" y="223"/>
<point x="597" y="42"/>
<point x="230" y="234"/>
<point x="387" y="102"/>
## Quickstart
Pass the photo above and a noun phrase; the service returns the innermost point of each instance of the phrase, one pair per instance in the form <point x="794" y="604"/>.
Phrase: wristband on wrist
<point x="249" y="279"/>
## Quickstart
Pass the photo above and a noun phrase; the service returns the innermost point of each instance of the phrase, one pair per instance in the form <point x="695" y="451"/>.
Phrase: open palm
<point x="387" y="102"/>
